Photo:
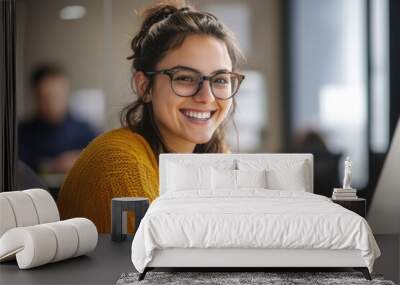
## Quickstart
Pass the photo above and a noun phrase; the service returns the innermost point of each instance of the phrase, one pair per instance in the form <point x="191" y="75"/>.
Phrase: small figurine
<point x="347" y="174"/>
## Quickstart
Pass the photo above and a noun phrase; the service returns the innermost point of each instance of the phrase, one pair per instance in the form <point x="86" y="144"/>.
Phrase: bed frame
<point x="248" y="258"/>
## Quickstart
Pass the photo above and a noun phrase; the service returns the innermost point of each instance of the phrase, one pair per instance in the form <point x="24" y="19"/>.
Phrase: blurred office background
<point x="320" y="75"/>
<point x="317" y="73"/>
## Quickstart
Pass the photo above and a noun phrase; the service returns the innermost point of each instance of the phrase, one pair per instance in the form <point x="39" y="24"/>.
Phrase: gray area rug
<point x="228" y="278"/>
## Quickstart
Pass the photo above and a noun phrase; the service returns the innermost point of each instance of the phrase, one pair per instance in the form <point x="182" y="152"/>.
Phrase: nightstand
<point x="357" y="205"/>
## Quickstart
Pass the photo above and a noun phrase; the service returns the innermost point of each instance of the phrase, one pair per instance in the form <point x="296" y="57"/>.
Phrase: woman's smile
<point x="196" y="116"/>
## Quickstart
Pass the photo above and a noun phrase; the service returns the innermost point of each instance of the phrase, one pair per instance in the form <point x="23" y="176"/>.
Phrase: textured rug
<point x="230" y="278"/>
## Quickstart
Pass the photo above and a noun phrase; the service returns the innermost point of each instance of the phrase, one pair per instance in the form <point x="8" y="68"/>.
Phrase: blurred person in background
<point x="50" y="141"/>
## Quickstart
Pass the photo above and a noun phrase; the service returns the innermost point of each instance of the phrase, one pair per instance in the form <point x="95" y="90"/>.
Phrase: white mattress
<point x="252" y="218"/>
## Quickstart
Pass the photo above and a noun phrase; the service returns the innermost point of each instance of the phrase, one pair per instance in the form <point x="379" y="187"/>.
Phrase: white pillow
<point x="282" y="174"/>
<point x="251" y="178"/>
<point x="183" y="178"/>
<point x="224" y="179"/>
<point x="293" y="179"/>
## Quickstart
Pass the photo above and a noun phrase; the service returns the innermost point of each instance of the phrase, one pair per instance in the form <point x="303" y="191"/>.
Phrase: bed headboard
<point x="278" y="161"/>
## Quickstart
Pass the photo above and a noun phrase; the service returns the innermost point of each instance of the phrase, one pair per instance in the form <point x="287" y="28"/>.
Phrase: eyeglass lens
<point x="186" y="83"/>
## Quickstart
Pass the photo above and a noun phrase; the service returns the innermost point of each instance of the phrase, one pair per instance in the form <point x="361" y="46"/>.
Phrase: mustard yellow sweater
<point x="118" y="163"/>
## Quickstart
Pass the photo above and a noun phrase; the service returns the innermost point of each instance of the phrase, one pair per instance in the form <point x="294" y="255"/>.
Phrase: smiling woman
<point x="185" y="75"/>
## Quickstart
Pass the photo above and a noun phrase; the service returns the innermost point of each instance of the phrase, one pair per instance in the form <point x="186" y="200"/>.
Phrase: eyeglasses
<point x="187" y="82"/>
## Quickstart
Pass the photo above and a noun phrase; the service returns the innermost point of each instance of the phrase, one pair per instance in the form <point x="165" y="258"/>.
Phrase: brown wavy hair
<point x="165" y="26"/>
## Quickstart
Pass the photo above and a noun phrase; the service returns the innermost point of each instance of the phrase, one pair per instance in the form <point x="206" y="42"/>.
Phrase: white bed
<point x="268" y="218"/>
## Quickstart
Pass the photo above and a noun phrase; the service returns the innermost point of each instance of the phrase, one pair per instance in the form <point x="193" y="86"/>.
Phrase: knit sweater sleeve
<point x="108" y="168"/>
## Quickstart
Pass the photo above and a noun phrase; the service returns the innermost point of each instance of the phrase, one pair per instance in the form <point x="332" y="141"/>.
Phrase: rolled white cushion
<point x="26" y="208"/>
<point x="87" y="235"/>
<point x="23" y="208"/>
<point x="45" y="205"/>
<point x="67" y="240"/>
<point x="37" y="245"/>
<point x="33" y="246"/>
<point x="7" y="218"/>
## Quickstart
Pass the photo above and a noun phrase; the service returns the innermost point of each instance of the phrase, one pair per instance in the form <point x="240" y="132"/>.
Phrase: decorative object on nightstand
<point x="347" y="196"/>
<point x="119" y="208"/>
<point x="347" y="174"/>
<point x="357" y="205"/>
<point x="344" y="194"/>
<point x="347" y="192"/>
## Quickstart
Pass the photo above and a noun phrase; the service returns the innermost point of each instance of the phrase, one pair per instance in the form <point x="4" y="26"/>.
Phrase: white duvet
<point x="251" y="218"/>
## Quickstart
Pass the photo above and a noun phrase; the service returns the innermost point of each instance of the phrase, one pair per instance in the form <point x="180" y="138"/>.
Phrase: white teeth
<point x="198" y="115"/>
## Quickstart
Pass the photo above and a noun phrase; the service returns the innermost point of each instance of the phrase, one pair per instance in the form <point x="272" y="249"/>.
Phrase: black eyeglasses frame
<point x="171" y="72"/>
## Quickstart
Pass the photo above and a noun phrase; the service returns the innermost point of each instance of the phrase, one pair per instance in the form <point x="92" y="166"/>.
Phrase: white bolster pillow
<point x="87" y="235"/>
<point x="33" y="246"/>
<point x="26" y="208"/>
<point x="45" y="205"/>
<point x="7" y="218"/>
<point x="40" y="244"/>
<point x="24" y="211"/>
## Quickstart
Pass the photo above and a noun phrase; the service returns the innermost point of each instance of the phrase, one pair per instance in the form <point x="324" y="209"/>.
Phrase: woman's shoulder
<point x="120" y="136"/>
<point x="121" y="143"/>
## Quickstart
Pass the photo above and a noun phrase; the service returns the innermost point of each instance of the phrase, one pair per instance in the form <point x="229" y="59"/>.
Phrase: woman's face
<point x="176" y="116"/>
